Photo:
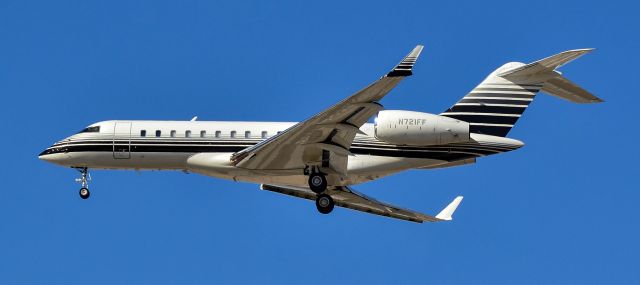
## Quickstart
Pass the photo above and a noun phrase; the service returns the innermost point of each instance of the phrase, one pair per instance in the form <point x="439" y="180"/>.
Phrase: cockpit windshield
<point x="92" y="129"/>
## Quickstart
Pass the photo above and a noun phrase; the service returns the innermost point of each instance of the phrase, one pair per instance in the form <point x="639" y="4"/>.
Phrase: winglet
<point x="446" y="213"/>
<point x="406" y="65"/>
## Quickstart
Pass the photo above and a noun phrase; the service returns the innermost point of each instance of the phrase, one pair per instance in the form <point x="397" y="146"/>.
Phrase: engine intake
<point x="416" y="128"/>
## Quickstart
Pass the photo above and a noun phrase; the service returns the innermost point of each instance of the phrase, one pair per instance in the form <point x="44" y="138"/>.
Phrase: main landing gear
<point x="318" y="184"/>
<point x="84" y="181"/>
<point x="324" y="203"/>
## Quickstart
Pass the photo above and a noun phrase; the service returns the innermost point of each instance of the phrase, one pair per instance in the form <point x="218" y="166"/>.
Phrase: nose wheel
<point x="84" y="181"/>
<point x="84" y="193"/>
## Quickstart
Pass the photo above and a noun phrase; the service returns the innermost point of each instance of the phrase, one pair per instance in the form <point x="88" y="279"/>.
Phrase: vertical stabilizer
<point x="496" y="104"/>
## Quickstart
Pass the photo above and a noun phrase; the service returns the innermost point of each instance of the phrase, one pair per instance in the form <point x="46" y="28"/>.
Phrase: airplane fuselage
<point x="206" y="147"/>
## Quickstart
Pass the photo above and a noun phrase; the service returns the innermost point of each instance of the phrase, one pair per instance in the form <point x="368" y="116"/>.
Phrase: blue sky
<point x="563" y="209"/>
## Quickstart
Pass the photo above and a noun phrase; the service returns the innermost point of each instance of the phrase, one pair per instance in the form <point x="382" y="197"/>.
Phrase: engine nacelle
<point x="416" y="128"/>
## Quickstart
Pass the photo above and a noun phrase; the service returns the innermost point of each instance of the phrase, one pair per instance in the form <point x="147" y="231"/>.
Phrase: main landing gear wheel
<point x="317" y="182"/>
<point x="84" y="181"/>
<point x="84" y="193"/>
<point x="324" y="203"/>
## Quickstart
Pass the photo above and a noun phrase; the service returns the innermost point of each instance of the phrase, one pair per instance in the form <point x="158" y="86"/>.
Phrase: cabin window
<point x="218" y="134"/>
<point x="173" y="133"/>
<point x="279" y="132"/>
<point x="158" y="133"/>
<point x="187" y="134"/>
<point x="264" y="134"/>
<point x="233" y="134"/>
<point x="143" y="133"/>
<point x="247" y="134"/>
<point x="203" y="134"/>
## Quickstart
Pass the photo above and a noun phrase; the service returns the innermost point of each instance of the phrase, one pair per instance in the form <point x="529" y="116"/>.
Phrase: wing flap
<point x="348" y="198"/>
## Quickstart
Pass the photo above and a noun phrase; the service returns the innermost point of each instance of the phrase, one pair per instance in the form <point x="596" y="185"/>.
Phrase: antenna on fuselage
<point x="195" y="118"/>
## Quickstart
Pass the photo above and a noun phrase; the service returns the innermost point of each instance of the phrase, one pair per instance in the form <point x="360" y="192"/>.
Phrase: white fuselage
<point x="206" y="148"/>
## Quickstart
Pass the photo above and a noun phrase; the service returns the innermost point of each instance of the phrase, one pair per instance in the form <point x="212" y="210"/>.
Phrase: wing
<point x="325" y="138"/>
<point x="348" y="198"/>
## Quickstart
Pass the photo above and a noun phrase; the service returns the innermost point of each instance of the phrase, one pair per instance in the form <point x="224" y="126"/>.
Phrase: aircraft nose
<point x="43" y="153"/>
<point x="53" y="154"/>
<point x="46" y="155"/>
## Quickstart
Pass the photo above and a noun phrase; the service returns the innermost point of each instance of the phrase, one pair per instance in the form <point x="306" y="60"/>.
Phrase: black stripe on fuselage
<point x="448" y="156"/>
<point x="475" y="149"/>
<point x="444" y="152"/>
<point x="142" y="148"/>
<point x="164" y="141"/>
<point x="490" y="130"/>
<point x="440" y="154"/>
<point x="138" y="144"/>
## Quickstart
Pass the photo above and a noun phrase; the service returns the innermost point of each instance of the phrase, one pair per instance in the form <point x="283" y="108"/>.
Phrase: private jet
<point x="322" y="157"/>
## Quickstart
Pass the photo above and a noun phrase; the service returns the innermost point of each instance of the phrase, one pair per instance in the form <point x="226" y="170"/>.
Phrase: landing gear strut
<point x="317" y="182"/>
<point x="324" y="203"/>
<point x="84" y="181"/>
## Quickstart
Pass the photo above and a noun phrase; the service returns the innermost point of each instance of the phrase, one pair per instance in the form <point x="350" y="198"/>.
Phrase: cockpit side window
<point x="92" y="129"/>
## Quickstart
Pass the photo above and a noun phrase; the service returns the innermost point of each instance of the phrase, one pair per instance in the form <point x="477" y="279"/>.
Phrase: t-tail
<point x="496" y="104"/>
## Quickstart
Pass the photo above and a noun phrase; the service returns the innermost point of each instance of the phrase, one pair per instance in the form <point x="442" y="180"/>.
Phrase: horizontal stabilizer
<point x="562" y="87"/>
<point x="546" y="64"/>
<point x="553" y="82"/>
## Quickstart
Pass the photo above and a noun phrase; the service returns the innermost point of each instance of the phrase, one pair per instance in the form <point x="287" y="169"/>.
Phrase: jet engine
<point x="416" y="128"/>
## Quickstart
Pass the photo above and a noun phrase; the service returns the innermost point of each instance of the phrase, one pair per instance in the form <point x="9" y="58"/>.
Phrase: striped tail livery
<point x="496" y="104"/>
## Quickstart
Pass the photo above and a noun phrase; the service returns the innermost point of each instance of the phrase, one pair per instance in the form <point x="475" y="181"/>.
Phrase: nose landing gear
<point x="84" y="179"/>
